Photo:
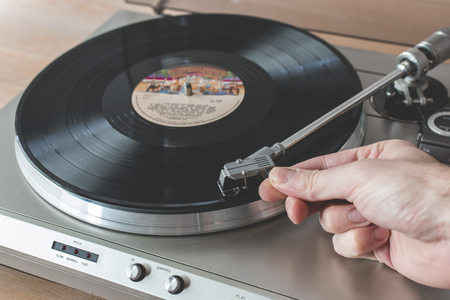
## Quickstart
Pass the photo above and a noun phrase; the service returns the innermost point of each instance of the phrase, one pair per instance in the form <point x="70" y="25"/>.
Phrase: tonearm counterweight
<point x="412" y="65"/>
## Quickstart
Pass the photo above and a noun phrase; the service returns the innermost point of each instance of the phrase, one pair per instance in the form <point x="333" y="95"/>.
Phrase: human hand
<point x="397" y="207"/>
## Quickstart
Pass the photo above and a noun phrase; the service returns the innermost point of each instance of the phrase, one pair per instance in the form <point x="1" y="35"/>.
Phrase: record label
<point x="161" y="98"/>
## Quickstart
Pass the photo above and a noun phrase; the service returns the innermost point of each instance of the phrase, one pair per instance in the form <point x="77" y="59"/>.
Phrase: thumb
<point x="313" y="185"/>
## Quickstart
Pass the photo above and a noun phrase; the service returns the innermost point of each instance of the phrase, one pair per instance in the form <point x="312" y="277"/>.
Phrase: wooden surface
<point x="35" y="32"/>
<point x="399" y="21"/>
<point x="18" y="285"/>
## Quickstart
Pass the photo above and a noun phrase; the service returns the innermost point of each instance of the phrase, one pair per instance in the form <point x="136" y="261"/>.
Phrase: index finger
<point x="319" y="185"/>
<point x="390" y="149"/>
<point x="268" y="190"/>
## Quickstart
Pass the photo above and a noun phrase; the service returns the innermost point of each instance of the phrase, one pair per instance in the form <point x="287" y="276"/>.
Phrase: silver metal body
<point x="273" y="259"/>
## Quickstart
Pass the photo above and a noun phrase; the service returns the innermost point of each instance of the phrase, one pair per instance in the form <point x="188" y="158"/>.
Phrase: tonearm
<point x="412" y="65"/>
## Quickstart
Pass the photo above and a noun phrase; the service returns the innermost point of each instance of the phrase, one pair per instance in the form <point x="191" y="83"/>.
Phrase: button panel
<point x="118" y="266"/>
<point x="75" y="251"/>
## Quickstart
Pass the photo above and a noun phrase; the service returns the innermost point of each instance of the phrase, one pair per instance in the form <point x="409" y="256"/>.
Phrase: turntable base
<point x="273" y="259"/>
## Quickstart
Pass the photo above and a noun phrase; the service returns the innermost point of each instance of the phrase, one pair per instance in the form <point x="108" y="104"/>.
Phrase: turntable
<point x="120" y="198"/>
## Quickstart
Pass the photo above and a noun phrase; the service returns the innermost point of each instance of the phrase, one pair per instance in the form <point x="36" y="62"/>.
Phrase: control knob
<point x="135" y="272"/>
<point x="440" y="123"/>
<point x="174" y="284"/>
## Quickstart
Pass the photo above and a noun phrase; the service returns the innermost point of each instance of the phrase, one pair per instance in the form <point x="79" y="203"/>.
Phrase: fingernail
<point x="288" y="208"/>
<point x="290" y="212"/>
<point x="282" y="175"/>
<point x="380" y="233"/>
<point x="355" y="216"/>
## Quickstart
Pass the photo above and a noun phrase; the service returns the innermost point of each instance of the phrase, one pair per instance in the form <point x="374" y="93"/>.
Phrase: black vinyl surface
<point x="77" y="125"/>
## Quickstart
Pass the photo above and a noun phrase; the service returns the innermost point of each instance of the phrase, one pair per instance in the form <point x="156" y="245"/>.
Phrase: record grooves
<point x="77" y="127"/>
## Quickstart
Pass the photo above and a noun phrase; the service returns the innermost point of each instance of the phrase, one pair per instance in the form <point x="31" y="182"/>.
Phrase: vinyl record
<point x="89" y="123"/>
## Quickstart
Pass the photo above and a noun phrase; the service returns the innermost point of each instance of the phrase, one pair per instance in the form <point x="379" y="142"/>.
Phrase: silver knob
<point x="135" y="272"/>
<point x="174" y="284"/>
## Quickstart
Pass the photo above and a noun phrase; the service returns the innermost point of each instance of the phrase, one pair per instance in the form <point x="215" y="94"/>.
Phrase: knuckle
<point x="328" y="220"/>
<point x="308" y="183"/>
<point x="350" y="244"/>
